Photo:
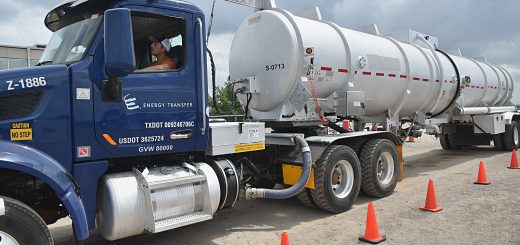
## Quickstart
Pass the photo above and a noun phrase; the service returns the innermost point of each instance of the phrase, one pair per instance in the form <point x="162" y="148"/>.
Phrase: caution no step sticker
<point x="21" y="131"/>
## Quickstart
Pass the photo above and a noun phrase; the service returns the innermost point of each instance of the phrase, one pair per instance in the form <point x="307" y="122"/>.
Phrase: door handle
<point x="180" y="135"/>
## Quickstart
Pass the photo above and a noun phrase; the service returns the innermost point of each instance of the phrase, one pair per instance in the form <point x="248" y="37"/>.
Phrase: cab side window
<point x="159" y="42"/>
<point x="177" y="50"/>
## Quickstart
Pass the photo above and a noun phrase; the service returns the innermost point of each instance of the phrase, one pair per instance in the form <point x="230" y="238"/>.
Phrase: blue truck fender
<point x="28" y="160"/>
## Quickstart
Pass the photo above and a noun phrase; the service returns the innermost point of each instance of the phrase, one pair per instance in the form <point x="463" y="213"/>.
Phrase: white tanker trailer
<point x="297" y="72"/>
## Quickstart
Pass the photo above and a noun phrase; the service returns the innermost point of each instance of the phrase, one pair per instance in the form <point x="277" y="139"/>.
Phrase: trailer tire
<point x="451" y="142"/>
<point x="305" y="198"/>
<point x="379" y="167"/>
<point x="338" y="164"/>
<point x="22" y="224"/>
<point x="443" y="139"/>
<point x="511" y="136"/>
<point x="498" y="142"/>
<point x="356" y="144"/>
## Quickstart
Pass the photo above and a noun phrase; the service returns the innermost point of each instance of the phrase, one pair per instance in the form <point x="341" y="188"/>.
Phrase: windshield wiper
<point x="44" y="63"/>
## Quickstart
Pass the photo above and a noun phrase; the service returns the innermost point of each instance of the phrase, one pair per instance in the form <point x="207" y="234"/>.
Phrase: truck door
<point x="158" y="114"/>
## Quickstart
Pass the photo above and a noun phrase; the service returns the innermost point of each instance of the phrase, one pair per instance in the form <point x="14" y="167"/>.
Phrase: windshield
<point x="70" y="43"/>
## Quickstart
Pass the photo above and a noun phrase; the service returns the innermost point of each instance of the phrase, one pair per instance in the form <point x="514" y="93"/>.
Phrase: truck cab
<point x="132" y="119"/>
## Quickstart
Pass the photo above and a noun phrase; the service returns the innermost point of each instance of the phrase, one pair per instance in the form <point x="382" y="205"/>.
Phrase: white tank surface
<point x="284" y="61"/>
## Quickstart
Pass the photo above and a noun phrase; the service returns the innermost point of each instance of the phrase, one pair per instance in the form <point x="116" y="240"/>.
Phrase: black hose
<point x="248" y="97"/>
<point x="293" y="190"/>
<point x="336" y="128"/>
<point x="213" y="67"/>
<point x="457" y="93"/>
<point x="214" y="85"/>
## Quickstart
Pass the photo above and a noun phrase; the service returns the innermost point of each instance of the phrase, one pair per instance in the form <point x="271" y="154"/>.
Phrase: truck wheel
<point x="451" y="142"/>
<point x="511" y="136"/>
<point x="379" y="167"/>
<point x="356" y="144"/>
<point x="305" y="198"/>
<point x="337" y="179"/>
<point x="498" y="142"/>
<point x="22" y="225"/>
<point x="443" y="139"/>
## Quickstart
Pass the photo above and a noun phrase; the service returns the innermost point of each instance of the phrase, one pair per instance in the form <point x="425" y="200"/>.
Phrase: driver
<point x="160" y="50"/>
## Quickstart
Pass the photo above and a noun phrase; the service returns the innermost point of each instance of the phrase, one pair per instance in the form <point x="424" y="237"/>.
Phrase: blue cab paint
<point x="71" y="124"/>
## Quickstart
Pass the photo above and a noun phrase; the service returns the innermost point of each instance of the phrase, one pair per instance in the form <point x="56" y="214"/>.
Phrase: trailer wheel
<point x="451" y="142"/>
<point x="356" y="144"/>
<point x="337" y="179"/>
<point x="305" y="198"/>
<point x="22" y="225"/>
<point x="379" y="167"/>
<point x="443" y="139"/>
<point x="498" y="142"/>
<point x="511" y="136"/>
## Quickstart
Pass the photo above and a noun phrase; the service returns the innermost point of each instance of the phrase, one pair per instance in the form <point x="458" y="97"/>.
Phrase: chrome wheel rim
<point x="385" y="168"/>
<point x="342" y="179"/>
<point x="6" y="239"/>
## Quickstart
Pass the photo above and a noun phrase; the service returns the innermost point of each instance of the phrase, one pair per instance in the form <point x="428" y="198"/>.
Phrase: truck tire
<point x="305" y="198"/>
<point x="22" y="225"/>
<point x="451" y="142"/>
<point x="498" y="142"/>
<point x="443" y="139"/>
<point x="356" y="144"/>
<point x="511" y="136"/>
<point x="337" y="179"/>
<point x="379" y="167"/>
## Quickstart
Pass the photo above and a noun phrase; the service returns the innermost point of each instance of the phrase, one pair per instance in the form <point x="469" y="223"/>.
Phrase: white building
<point x="17" y="56"/>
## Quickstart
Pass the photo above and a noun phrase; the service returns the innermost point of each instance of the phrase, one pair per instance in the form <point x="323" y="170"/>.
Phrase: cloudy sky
<point x="477" y="27"/>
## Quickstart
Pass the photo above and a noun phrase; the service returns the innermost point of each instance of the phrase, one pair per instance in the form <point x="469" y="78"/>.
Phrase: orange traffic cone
<point x="481" y="178"/>
<point x="285" y="239"/>
<point x="514" y="161"/>
<point x="371" y="230"/>
<point x="431" y="200"/>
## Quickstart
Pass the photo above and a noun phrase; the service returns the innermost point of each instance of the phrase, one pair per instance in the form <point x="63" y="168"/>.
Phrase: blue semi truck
<point x="86" y="134"/>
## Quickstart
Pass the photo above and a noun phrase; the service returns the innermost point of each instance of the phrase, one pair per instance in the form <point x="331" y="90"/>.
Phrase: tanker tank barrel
<point x="304" y="68"/>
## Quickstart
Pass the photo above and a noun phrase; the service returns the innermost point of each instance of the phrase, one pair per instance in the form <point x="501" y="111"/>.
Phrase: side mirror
<point x="119" y="43"/>
<point x="119" y="50"/>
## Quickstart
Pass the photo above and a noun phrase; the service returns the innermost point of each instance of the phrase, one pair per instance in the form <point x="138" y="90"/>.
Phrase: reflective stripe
<point x="323" y="68"/>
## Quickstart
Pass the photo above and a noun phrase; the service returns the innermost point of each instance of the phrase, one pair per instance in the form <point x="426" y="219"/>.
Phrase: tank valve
<point x="466" y="79"/>
<point x="362" y="62"/>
